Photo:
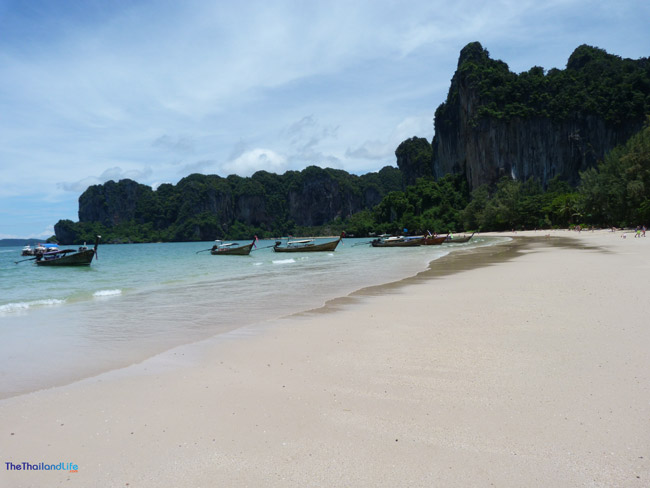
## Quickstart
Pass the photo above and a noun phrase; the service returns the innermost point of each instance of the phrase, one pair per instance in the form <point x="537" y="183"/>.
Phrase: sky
<point x="155" y="90"/>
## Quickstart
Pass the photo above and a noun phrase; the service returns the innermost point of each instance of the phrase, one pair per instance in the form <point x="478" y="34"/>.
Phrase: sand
<point x="523" y="365"/>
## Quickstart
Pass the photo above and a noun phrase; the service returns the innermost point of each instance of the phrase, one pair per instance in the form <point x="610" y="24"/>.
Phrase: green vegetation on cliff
<point x="545" y="128"/>
<point x="594" y="82"/>
<point x="205" y="207"/>
<point x="414" y="160"/>
<point x="617" y="192"/>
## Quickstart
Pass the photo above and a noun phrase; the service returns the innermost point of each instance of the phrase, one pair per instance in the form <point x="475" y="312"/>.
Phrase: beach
<point x="522" y="364"/>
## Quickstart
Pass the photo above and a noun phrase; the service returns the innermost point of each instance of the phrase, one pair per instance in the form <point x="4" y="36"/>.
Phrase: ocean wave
<point x="284" y="261"/>
<point x="22" y="306"/>
<point x="107" y="293"/>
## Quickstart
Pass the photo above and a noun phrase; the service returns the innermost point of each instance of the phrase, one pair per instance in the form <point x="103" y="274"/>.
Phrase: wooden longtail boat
<point x="434" y="240"/>
<point x="307" y="245"/>
<point x="229" y="250"/>
<point x="398" y="242"/>
<point x="68" y="257"/>
<point x="459" y="240"/>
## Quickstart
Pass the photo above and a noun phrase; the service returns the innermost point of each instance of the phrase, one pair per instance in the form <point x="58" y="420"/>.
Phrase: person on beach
<point x="643" y="231"/>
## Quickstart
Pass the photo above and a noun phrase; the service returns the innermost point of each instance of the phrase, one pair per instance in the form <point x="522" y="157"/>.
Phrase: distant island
<point x="537" y="149"/>
<point x="20" y="242"/>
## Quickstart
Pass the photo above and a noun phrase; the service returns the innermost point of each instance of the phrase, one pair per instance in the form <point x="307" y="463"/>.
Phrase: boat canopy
<point x="304" y="241"/>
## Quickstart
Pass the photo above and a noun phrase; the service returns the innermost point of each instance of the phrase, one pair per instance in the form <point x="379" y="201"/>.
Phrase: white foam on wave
<point x="22" y="306"/>
<point x="107" y="293"/>
<point x="257" y="264"/>
<point x="284" y="261"/>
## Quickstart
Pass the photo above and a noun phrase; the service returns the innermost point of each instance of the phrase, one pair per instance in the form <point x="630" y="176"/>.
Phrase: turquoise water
<point x="60" y="324"/>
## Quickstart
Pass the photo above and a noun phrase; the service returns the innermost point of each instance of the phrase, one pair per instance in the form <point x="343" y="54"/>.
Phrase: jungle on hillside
<point x="532" y="150"/>
<point x="615" y="193"/>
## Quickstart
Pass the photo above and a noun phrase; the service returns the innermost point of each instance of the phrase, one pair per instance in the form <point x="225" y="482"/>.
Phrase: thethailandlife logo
<point x="25" y="466"/>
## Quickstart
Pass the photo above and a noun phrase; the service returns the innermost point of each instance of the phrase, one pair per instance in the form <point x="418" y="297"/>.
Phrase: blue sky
<point x="94" y="90"/>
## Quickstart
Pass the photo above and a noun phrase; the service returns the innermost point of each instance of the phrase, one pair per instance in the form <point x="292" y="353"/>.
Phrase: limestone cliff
<point x="414" y="160"/>
<point x="204" y="207"/>
<point x="535" y="124"/>
<point x="112" y="203"/>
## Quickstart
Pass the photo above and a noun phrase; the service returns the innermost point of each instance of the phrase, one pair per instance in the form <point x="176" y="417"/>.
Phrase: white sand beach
<point x="528" y="367"/>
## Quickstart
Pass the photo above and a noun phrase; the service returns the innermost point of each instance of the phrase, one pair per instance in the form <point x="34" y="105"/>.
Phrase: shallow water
<point x="62" y="324"/>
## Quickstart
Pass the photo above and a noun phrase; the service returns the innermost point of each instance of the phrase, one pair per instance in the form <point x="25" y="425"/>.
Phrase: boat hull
<point x="237" y="251"/>
<point x="82" y="258"/>
<point x="326" y="246"/>
<point x="459" y="240"/>
<point x="434" y="241"/>
<point x="405" y="243"/>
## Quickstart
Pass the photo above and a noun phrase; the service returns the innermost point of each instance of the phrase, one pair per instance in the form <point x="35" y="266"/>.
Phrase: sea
<point x="62" y="324"/>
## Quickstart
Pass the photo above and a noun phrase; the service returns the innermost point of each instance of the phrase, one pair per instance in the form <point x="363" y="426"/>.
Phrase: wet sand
<point x="526" y="364"/>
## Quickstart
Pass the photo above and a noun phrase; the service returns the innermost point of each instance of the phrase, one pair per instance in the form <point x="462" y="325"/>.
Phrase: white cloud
<point x="203" y="166"/>
<point x="47" y="232"/>
<point x="153" y="89"/>
<point x="374" y="149"/>
<point x="180" y="144"/>
<point x="421" y="126"/>
<point x="78" y="186"/>
<point x="384" y="149"/>
<point x="307" y="141"/>
<point x="254" y="160"/>
<point x="115" y="173"/>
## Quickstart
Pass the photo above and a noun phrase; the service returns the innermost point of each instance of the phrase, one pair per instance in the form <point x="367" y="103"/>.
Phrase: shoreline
<point x="137" y="357"/>
<point x="528" y="371"/>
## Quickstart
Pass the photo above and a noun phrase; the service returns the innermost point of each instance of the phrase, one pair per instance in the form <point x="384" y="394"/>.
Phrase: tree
<point x="617" y="192"/>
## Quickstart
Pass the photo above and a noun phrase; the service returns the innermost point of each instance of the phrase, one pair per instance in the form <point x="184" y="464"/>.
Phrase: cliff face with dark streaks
<point x="494" y="123"/>
<point x="112" y="203"/>
<point x="539" y="125"/>
<point x="204" y="207"/>
<point x="526" y="148"/>
<point x="414" y="160"/>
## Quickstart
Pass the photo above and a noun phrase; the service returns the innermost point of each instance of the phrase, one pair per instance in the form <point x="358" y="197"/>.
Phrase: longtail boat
<point x="398" y="242"/>
<point x="459" y="240"/>
<point x="39" y="249"/>
<point x="231" y="249"/>
<point x="68" y="257"/>
<point x="307" y="245"/>
<point x="432" y="240"/>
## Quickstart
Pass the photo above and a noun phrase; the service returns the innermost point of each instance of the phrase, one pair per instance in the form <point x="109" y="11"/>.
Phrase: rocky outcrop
<point x="251" y="210"/>
<point x="530" y="135"/>
<point x="112" y="203"/>
<point x="414" y="160"/>
<point x="318" y="197"/>
<point x="66" y="232"/>
<point x="203" y="207"/>
<point x="526" y="148"/>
